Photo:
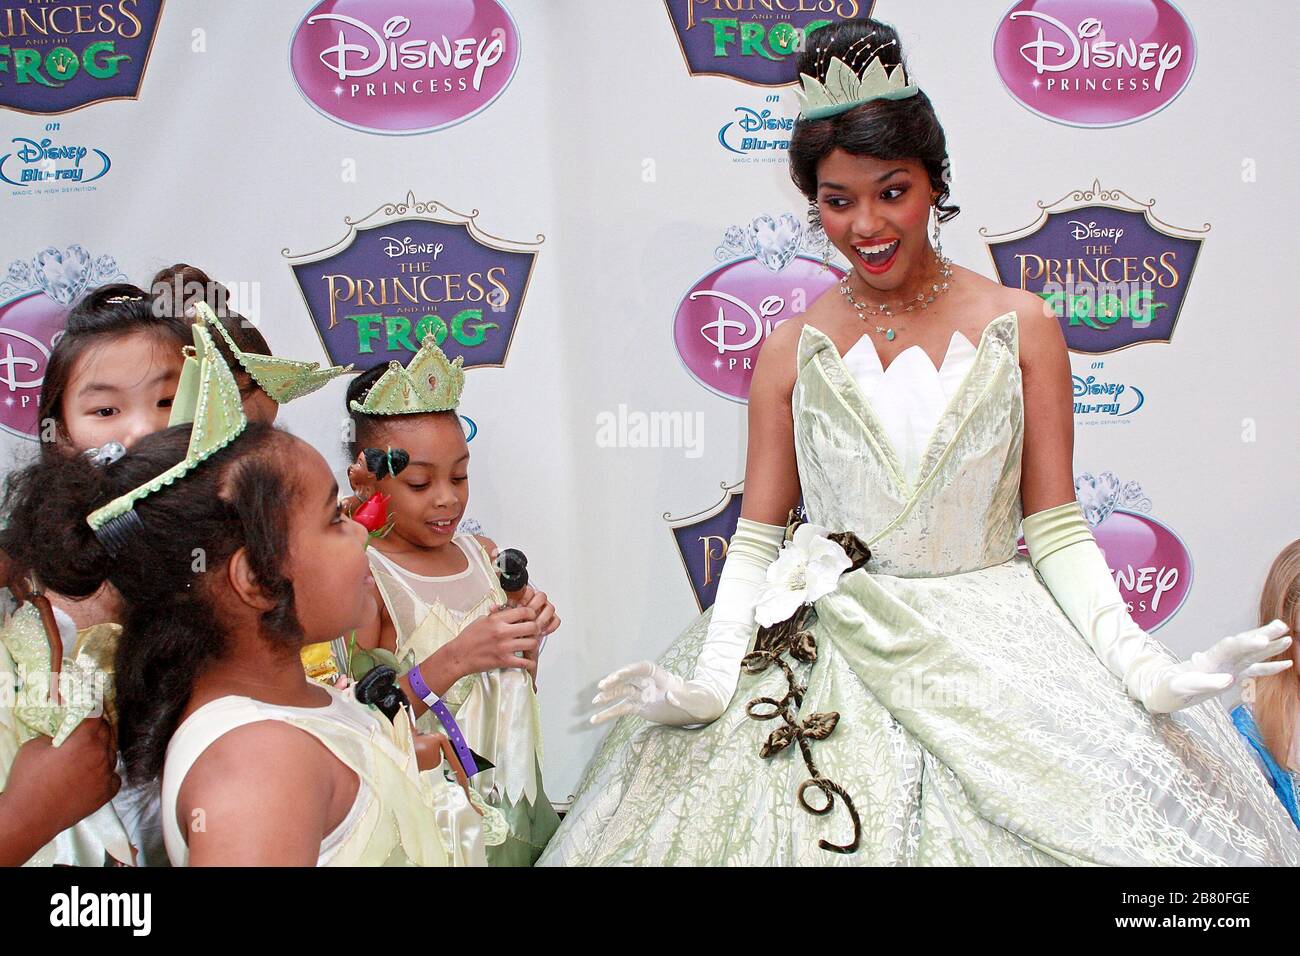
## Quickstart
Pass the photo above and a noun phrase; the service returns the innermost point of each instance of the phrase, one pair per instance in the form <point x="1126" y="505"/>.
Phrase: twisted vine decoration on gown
<point x="793" y="637"/>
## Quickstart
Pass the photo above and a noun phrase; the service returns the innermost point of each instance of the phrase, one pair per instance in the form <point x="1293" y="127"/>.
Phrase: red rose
<point x="373" y="515"/>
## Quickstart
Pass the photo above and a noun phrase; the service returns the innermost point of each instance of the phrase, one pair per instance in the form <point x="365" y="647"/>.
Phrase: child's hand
<point x="495" y="641"/>
<point x="51" y="788"/>
<point x="547" y="620"/>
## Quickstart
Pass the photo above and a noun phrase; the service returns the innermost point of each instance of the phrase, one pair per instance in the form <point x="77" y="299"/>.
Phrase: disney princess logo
<point x="35" y="296"/>
<point x="446" y="61"/>
<point x="56" y="57"/>
<point x="755" y="325"/>
<point x="12" y="366"/>
<point x="724" y="318"/>
<point x="1098" y="53"/>
<point x="1082" y="75"/>
<point x="1151" y="565"/>
<point x="406" y="246"/>
<point x="38" y="161"/>
<point x="762" y="45"/>
<point x="755" y="123"/>
<point x="382" y="52"/>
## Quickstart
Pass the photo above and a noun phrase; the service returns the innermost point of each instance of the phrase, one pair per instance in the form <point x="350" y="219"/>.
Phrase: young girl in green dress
<point x="439" y="600"/>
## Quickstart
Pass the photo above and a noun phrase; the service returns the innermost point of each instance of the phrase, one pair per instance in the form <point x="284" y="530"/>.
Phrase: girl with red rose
<point x="440" y="607"/>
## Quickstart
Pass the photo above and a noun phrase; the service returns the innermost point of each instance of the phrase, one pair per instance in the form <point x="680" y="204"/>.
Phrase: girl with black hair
<point x="439" y="603"/>
<point x="230" y="570"/>
<point x="110" y="380"/>
<point x="915" y="691"/>
<point x="112" y="375"/>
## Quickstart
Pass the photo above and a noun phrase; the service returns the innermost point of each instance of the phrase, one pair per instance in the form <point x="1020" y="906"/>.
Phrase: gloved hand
<point x="1065" y="553"/>
<point x="1210" y="672"/>
<point x="659" y="695"/>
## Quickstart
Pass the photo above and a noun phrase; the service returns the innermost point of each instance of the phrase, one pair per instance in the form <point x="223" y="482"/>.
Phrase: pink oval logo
<point x="1152" y="566"/>
<point x="403" y="66"/>
<point x="723" y="320"/>
<point x="1093" y="63"/>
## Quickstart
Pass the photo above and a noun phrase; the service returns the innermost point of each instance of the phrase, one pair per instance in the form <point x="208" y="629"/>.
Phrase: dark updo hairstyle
<point x="177" y="287"/>
<point x="238" y="498"/>
<point x="884" y="129"/>
<point x="366" y="429"/>
<point x="105" y="313"/>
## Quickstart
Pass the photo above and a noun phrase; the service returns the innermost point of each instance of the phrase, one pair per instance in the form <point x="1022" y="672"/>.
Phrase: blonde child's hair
<point x="1277" y="698"/>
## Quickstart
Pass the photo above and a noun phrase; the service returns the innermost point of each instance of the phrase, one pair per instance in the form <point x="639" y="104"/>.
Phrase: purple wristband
<point x="443" y="714"/>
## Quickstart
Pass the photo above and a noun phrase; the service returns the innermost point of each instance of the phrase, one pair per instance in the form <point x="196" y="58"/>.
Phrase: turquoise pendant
<point x="889" y="335"/>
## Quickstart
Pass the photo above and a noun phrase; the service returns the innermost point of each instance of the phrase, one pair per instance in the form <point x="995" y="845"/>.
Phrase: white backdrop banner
<point x="590" y="202"/>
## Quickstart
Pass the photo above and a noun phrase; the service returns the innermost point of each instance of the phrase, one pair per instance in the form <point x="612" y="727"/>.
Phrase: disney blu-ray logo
<point x="41" y="158"/>
<point x="754" y="121"/>
<point x="381" y="52"/>
<point x="32" y="151"/>
<point x="1097" y="52"/>
<point x="751" y="120"/>
<point x="407" y="247"/>
<point x="1093" y="397"/>
<point x="1090" y="230"/>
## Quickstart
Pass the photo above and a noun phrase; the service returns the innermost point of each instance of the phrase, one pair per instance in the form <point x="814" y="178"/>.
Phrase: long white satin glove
<point x="1065" y="553"/>
<point x="660" y="695"/>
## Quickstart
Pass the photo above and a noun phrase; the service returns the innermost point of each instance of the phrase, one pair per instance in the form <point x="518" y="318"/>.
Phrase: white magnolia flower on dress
<point x="808" y="567"/>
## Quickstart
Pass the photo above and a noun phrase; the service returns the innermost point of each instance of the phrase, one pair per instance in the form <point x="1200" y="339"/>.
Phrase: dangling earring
<point x="815" y="223"/>
<point x="938" y="243"/>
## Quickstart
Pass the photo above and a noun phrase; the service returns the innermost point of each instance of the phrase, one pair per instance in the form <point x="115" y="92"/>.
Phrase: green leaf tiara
<point x="843" y="89"/>
<point x="207" y="396"/>
<point x="284" y="379"/>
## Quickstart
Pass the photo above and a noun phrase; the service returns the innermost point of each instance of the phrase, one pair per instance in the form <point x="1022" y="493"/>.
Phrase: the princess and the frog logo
<point x="49" y="165"/>
<point x="410" y="269"/>
<point x="57" y="56"/>
<point x="769" y="275"/>
<point x="404" y="66"/>
<point x="1094" y="63"/>
<point x="1151" y="564"/>
<point x="35" y="296"/>
<point x="755" y="41"/>
<point x="1114" y="273"/>
<point x="702" y="541"/>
